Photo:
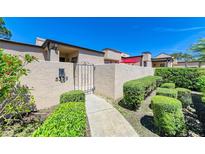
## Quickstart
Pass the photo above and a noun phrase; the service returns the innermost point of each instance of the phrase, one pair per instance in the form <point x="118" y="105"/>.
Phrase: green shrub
<point x="167" y="92"/>
<point x="68" y="120"/>
<point x="135" y="91"/>
<point x="184" y="95"/>
<point x="72" y="96"/>
<point x="203" y="99"/>
<point x="200" y="84"/>
<point x="168" y="116"/>
<point x="168" y="85"/>
<point x="182" y="77"/>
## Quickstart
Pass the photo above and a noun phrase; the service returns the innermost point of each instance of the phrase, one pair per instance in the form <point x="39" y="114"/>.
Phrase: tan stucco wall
<point x="112" y="55"/>
<point x="109" y="78"/>
<point x="90" y="57"/>
<point x="21" y="50"/>
<point x="104" y="77"/>
<point x="189" y="64"/>
<point x="42" y="78"/>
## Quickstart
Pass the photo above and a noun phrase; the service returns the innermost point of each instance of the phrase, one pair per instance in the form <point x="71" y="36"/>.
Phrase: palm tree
<point x="4" y="32"/>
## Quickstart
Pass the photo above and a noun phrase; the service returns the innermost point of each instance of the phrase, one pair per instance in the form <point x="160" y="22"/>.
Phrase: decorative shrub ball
<point x="167" y="92"/>
<point x="168" y="85"/>
<point x="72" y="96"/>
<point x="135" y="91"/>
<point x="168" y="116"/>
<point x="184" y="95"/>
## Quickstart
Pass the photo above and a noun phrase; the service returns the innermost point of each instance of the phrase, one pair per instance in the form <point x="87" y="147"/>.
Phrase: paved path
<point x="105" y="120"/>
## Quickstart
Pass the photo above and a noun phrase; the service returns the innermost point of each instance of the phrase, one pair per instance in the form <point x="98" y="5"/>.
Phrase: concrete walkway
<point x="105" y="120"/>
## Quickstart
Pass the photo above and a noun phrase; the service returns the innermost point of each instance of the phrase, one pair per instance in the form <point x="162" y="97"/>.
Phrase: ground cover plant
<point x="68" y="120"/>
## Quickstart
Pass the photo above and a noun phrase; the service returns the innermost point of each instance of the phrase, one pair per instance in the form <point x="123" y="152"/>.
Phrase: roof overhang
<point x="66" y="44"/>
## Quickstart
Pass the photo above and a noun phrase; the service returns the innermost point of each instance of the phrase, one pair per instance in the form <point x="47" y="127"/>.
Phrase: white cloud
<point x="162" y="29"/>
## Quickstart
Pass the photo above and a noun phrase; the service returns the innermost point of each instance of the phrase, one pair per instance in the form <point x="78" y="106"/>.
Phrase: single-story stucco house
<point x="51" y="50"/>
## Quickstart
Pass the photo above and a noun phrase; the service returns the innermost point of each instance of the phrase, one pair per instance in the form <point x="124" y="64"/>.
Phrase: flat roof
<point x="20" y="43"/>
<point x="113" y="50"/>
<point x="74" y="46"/>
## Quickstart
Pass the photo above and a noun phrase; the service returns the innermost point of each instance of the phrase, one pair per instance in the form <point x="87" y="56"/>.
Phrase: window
<point x="145" y="64"/>
<point x="62" y="59"/>
<point x="74" y="59"/>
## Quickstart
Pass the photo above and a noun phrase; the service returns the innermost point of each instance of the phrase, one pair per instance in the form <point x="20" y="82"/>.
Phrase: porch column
<point x="53" y="52"/>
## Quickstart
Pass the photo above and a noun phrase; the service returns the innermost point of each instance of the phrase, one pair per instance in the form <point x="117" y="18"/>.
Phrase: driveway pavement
<point x="105" y="120"/>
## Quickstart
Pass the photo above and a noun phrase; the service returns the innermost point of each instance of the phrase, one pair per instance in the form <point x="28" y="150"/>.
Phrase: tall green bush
<point x="168" y="116"/>
<point x="68" y="120"/>
<point x="15" y="99"/>
<point x="182" y="77"/>
<point x="135" y="91"/>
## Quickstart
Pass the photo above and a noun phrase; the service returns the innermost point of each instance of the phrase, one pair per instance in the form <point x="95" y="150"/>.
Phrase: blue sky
<point x="130" y="35"/>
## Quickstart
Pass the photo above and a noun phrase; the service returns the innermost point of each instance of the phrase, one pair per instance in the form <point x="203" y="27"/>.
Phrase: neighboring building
<point x="189" y="64"/>
<point x="163" y="60"/>
<point x="133" y="60"/>
<point x="112" y="56"/>
<point x="141" y="60"/>
<point x="50" y="50"/>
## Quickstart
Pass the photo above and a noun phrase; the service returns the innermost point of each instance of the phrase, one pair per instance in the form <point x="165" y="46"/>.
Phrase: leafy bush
<point x="68" y="120"/>
<point x="167" y="92"/>
<point x="168" y="85"/>
<point x="168" y="116"/>
<point x="182" y="77"/>
<point x="135" y="91"/>
<point x="15" y="99"/>
<point x="184" y="95"/>
<point x="203" y="99"/>
<point x="72" y="96"/>
<point x="200" y="84"/>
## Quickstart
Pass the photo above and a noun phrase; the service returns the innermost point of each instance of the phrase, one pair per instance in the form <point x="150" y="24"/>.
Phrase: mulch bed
<point x="142" y="118"/>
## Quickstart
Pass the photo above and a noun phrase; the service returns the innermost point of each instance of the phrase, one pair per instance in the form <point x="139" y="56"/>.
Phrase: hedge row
<point x="168" y="85"/>
<point x="72" y="96"/>
<point x="184" y="95"/>
<point x="168" y="116"/>
<point x="135" y="91"/>
<point x="68" y="120"/>
<point x="167" y="92"/>
<point x="190" y="78"/>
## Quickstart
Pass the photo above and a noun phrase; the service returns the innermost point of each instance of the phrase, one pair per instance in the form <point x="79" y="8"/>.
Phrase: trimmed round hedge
<point x="168" y="116"/>
<point x="167" y="92"/>
<point x="72" y="96"/>
<point x="168" y="85"/>
<point x="135" y="91"/>
<point x="184" y="95"/>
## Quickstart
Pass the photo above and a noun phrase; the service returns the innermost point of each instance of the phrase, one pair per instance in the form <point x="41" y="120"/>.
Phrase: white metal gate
<point x="84" y="77"/>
